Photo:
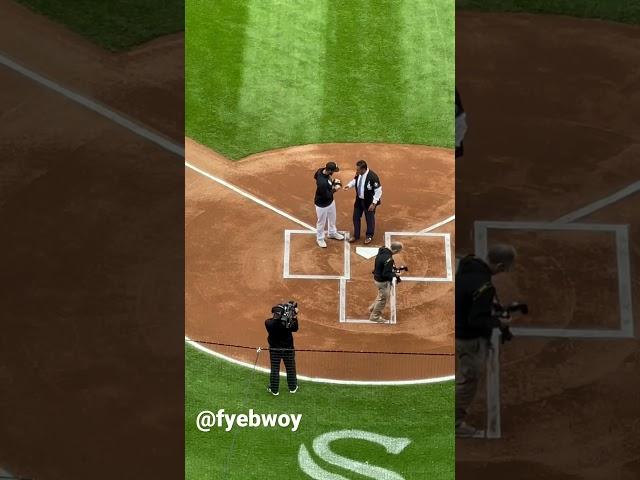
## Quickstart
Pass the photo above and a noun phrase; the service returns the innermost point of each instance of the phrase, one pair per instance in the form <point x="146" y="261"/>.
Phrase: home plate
<point x="367" y="252"/>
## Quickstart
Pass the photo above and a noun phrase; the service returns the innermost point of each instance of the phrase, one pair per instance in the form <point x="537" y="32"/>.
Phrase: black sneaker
<point x="275" y="394"/>
<point x="294" y="390"/>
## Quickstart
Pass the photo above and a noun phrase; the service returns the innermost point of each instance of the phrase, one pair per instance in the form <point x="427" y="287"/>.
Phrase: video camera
<point x="504" y="312"/>
<point x="397" y="270"/>
<point x="287" y="313"/>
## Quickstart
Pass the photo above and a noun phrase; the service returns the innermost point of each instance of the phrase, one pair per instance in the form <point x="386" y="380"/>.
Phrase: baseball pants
<point x="326" y="216"/>
<point x="358" y="210"/>
<point x="288" y="356"/>
<point x="471" y="359"/>
<point x="376" y="308"/>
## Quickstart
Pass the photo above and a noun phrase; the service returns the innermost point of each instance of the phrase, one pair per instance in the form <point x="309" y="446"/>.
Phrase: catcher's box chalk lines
<point x="137" y="128"/>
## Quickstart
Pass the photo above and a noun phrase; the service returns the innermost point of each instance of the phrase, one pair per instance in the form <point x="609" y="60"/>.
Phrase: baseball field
<point x="274" y="90"/>
<point x="265" y="75"/>
<point x="545" y="117"/>
<point x="419" y="413"/>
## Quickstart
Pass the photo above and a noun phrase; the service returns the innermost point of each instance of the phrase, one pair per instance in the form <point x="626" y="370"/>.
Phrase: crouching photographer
<point x="280" y="326"/>
<point x="478" y="312"/>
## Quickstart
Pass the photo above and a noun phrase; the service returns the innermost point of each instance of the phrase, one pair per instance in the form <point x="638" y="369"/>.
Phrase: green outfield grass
<point x="616" y="10"/>
<point x="263" y="74"/>
<point x="421" y="413"/>
<point x="115" y="24"/>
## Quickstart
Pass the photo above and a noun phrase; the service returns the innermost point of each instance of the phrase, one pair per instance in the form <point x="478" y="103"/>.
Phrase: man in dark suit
<point x="368" y="194"/>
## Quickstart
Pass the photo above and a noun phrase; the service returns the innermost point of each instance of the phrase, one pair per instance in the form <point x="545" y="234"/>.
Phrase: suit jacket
<point x="372" y="182"/>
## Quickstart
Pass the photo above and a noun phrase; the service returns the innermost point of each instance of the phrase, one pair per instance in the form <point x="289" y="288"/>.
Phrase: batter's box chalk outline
<point x="393" y="318"/>
<point x="621" y="233"/>
<point x="346" y="269"/>
<point x="446" y="237"/>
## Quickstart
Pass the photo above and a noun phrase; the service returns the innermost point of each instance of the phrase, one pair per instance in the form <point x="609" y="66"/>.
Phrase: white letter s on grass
<point x="322" y="449"/>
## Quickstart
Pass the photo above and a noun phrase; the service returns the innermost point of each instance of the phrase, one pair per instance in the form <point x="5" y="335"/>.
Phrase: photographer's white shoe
<point x="322" y="243"/>
<point x="336" y="236"/>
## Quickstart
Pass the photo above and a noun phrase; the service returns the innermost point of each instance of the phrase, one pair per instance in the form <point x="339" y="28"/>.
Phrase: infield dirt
<point x="552" y="103"/>
<point x="234" y="255"/>
<point x="88" y="213"/>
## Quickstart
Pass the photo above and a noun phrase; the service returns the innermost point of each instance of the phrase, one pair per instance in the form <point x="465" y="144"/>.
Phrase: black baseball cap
<point x="331" y="167"/>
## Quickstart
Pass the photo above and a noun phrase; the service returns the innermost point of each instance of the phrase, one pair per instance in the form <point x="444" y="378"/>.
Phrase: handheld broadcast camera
<point x="287" y="313"/>
<point x="397" y="270"/>
<point x="504" y="312"/>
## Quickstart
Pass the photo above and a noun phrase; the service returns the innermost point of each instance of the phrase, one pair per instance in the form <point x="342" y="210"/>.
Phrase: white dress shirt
<point x="361" y="183"/>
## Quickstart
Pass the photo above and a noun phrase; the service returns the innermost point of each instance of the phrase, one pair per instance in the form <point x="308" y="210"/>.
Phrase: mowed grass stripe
<point x="281" y="94"/>
<point x="422" y="413"/>
<point x="270" y="74"/>
<point x="428" y="70"/>
<point x="363" y="101"/>
<point x="215" y="43"/>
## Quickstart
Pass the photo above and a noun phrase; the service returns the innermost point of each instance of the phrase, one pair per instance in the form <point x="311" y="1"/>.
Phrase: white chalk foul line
<point x="249" y="196"/>
<point x="95" y="107"/>
<point x="204" y="349"/>
<point x="134" y="127"/>
<point x="600" y="204"/>
<point x="439" y="224"/>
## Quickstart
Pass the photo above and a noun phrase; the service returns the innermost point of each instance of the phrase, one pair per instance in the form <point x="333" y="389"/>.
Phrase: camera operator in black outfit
<point x="476" y="317"/>
<point x="280" y="328"/>
<point x="383" y="274"/>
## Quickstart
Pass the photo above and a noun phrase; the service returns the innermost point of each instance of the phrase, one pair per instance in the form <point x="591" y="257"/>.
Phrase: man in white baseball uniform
<point x="326" y="186"/>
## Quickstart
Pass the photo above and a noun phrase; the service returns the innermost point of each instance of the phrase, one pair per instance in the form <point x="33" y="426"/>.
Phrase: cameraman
<point x="281" y="348"/>
<point x="383" y="275"/>
<point x="475" y="321"/>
